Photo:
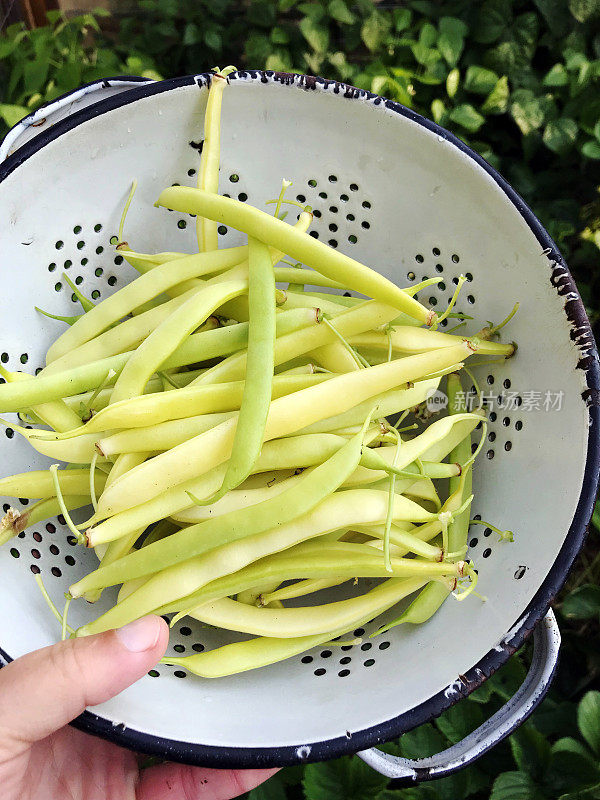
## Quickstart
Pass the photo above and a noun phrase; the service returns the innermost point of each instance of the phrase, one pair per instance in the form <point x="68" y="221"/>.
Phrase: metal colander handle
<point x="546" y="644"/>
<point x="48" y="114"/>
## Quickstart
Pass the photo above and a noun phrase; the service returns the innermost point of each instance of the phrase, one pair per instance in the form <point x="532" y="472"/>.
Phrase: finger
<point x="44" y="690"/>
<point x="179" y="782"/>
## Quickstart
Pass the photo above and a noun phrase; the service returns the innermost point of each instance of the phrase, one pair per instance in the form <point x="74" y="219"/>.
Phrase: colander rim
<point x="307" y="752"/>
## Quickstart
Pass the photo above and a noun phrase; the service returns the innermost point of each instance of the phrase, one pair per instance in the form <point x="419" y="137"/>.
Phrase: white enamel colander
<point x="409" y="199"/>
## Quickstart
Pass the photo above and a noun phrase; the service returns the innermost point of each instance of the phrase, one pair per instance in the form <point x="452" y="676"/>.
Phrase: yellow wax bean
<point x="341" y="509"/>
<point x="79" y="450"/>
<point x="287" y="347"/>
<point x="259" y="652"/>
<point x="420" y="340"/>
<point x="144" y="262"/>
<point x="154" y="385"/>
<point x="330" y="262"/>
<point x="391" y="402"/>
<point x="160" y="437"/>
<point x="307" y="620"/>
<point x="39" y="483"/>
<point x="145" y="411"/>
<point x="299" y="589"/>
<point x="286" y="415"/>
<point x="134" y="294"/>
<point x="169" y="335"/>
<point x="236" y="499"/>
<point x="335" y="358"/>
<point x="54" y="413"/>
<point x="303" y="300"/>
<point x="208" y="174"/>
<point x="123" y="337"/>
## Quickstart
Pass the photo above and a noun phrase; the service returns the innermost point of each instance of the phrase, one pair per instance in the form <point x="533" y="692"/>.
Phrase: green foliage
<point x="583" y="603"/>
<point x="39" y="65"/>
<point x="536" y="763"/>
<point x="519" y="81"/>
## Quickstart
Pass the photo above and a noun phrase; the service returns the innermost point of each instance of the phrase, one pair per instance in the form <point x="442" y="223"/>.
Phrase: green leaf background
<point x="519" y="81"/>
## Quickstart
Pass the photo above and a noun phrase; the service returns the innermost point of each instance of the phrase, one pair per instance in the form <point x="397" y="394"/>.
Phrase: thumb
<point x="44" y="690"/>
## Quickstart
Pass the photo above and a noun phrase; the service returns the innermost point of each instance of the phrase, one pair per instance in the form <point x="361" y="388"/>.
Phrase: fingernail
<point x="140" y="635"/>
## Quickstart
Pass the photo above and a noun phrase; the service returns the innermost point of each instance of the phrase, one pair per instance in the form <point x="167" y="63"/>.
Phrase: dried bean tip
<point x="11" y="520"/>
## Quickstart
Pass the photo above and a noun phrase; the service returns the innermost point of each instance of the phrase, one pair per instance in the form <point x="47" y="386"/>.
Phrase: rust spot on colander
<point x="581" y="332"/>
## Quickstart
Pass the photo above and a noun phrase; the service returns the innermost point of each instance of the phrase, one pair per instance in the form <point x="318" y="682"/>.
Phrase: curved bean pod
<point x="134" y="294"/>
<point x="242" y="656"/>
<point x="420" y="340"/>
<point x="79" y="450"/>
<point x="304" y="300"/>
<point x="145" y="412"/>
<point x="144" y="262"/>
<point x="54" y="413"/>
<point x="39" y="483"/>
<point x="340" y="299"/>
<point x="286" y="415"/>
<point x="123" y="337"/>
<point x="310" y="620"/>
<point x="300" y="589"/>
<point x="298" y="499"/>
<point x="198" y="347"/>
<point x="241" y="548"/>
<point x="169" y="335"/>
<point x="256" y="398"/>
<point x="154" y="385"/>
<point x="307" y="276"/>
<point x="158" y="438"/>
<point x="331" y="263"/>
<point x="390" y="402"/>
<point x="208" y="174"/>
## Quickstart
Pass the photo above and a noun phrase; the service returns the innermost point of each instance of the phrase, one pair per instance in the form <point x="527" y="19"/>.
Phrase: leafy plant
<point x="39" y="65"/>
<point x="536" y="763"/>
<point x="518" y="80"/>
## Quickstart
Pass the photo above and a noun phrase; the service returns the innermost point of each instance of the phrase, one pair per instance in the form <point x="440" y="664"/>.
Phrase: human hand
<point x="42" y="757"/>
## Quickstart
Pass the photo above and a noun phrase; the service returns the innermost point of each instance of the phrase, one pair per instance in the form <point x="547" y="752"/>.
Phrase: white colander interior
<point x="408" y="203"/>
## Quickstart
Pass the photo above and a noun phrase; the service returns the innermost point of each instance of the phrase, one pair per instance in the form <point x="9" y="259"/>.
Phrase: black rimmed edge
<point x="305" y="752"/>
